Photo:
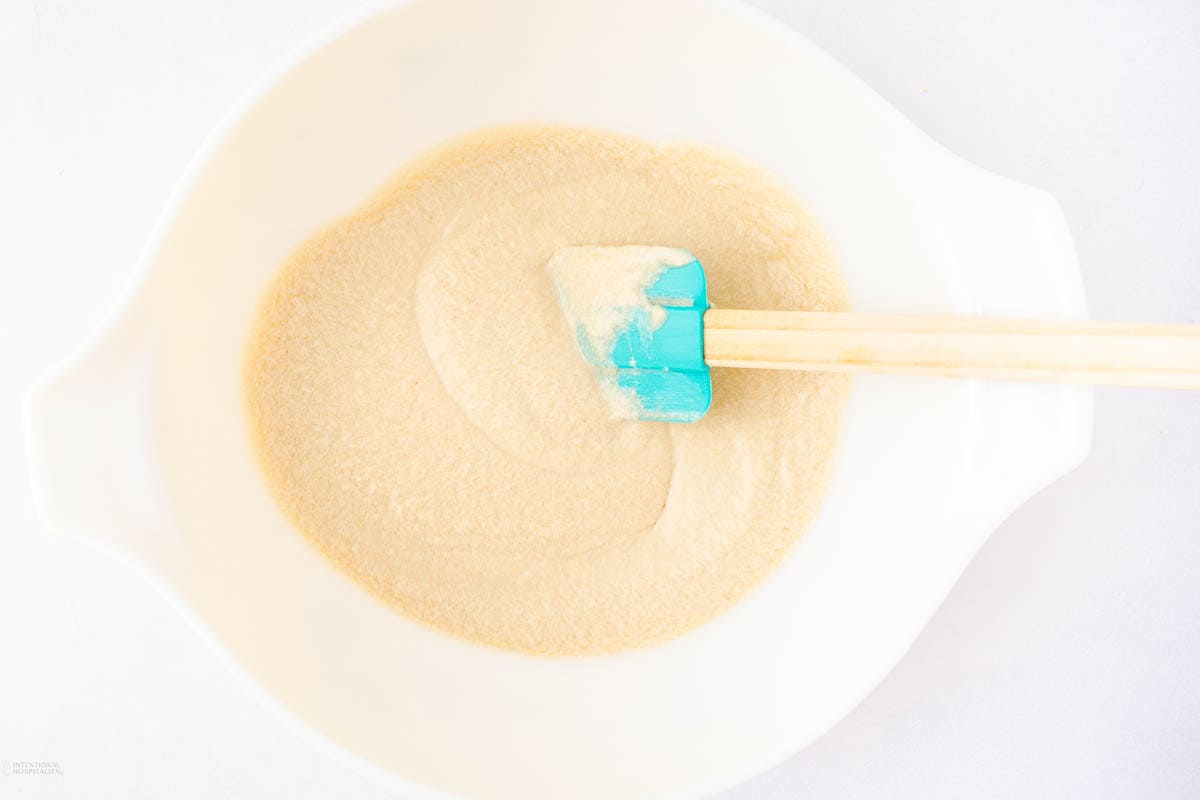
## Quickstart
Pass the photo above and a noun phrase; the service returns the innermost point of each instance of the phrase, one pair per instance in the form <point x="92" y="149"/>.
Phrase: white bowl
<point x="141" y="444"/>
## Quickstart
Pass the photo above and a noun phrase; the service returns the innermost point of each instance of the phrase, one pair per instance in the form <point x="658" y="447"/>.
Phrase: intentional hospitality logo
<point x="30" y="767"/>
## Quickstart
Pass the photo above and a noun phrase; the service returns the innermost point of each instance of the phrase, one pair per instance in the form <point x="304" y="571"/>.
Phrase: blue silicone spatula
<point x="642" y="318"/>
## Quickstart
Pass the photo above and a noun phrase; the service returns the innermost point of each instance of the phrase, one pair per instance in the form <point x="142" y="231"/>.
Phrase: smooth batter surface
<point x="422" y="415"/>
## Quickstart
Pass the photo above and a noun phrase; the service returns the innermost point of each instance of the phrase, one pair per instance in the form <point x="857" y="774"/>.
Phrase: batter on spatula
<point x="421" y="413"/>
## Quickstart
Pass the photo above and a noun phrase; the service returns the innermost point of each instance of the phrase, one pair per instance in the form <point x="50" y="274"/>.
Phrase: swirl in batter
<point x="422" y="415"/>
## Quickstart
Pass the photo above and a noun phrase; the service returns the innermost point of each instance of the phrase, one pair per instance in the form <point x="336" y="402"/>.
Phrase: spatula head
<point x="638" y="316"/>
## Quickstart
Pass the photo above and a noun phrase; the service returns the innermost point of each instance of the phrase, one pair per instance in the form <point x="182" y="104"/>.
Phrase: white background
<point x="1066" y="663"/>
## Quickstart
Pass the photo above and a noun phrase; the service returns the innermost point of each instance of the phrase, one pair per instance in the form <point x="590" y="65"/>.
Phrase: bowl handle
<point x="1021" y="263"/>
<point x="90" y="440"/>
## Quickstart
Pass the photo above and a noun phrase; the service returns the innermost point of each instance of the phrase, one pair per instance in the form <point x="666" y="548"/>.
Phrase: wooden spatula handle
<point x="1107" y="353"/>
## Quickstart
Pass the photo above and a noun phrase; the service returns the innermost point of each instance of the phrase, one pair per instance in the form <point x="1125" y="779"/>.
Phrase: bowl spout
<point x="89" y="434"/>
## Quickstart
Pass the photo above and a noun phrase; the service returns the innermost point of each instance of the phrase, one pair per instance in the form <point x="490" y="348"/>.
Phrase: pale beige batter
<point x="422" y="414"/>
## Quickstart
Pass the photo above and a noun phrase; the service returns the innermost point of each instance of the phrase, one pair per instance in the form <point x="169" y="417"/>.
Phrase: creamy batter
<point x="601" y="288"/>
<point x="422" y="415"/>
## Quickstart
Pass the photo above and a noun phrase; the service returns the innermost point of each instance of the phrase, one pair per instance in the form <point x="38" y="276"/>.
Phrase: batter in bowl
<point x="422" y="414"/>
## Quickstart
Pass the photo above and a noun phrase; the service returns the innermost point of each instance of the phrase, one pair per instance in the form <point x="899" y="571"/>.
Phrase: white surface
<point x="1062" y="664"/>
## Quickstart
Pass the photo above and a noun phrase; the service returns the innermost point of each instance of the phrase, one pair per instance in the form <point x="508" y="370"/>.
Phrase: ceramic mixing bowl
<point x="140" y="443"/>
